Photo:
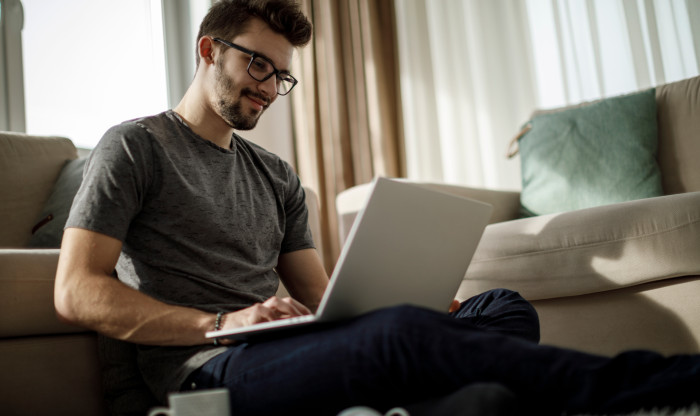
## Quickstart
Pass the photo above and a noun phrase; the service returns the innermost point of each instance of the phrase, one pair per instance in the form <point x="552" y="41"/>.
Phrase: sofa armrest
<point x="26" y="293"/>
<point x="29" y="167"/>
<point x="506" y="204"/>
<point x="590" y="250"/>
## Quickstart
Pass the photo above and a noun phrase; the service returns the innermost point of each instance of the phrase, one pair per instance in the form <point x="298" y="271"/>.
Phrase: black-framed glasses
<point x="261" y="69"/>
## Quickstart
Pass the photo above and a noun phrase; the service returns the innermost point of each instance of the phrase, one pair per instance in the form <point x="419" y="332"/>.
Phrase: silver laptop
<point x="408" y="245"/>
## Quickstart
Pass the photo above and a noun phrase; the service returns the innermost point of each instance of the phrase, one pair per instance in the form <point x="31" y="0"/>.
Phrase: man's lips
<point x="258" y="103"/>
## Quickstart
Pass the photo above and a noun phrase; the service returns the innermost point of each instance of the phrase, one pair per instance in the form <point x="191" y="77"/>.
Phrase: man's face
<point x="238" y="98"/>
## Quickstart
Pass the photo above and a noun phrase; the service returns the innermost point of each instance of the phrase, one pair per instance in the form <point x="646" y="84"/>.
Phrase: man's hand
<point x="454" y="307"/>
<point x="271" y="310"/>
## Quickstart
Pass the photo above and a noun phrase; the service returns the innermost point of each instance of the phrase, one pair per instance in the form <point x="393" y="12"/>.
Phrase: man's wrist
<point x="218" y="324"/>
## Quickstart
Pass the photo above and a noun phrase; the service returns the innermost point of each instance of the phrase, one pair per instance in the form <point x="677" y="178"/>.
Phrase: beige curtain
<point x="346" y="109"/>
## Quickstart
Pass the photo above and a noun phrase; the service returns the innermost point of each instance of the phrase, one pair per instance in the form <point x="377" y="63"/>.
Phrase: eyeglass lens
<point x="260" y="70"/>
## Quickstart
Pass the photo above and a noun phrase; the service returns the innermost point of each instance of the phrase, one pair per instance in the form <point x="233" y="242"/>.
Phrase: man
<point x="197" y="224"/>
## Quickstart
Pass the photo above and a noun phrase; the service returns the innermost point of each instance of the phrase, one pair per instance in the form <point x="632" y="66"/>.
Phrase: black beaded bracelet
<point x="217" y="325"/>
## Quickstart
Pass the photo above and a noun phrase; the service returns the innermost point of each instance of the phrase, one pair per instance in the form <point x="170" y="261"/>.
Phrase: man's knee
<point x="504" y="295"/>
<point x="502" y="310"/>
<point x="491" y="301"/>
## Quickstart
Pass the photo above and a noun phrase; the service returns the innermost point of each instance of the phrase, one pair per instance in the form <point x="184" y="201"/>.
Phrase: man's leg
<point x="498" y="310"/>
<point x="403" y="355"/>
<point x="502" y="311"/>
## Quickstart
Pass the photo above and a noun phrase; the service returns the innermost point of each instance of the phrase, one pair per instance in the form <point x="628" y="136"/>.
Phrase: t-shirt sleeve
<point x="115" y="180"/>
<point x="297" y="234"/>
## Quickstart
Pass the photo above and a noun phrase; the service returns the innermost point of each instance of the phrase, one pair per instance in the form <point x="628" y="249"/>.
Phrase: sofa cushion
<point x="590" y="155"/>
<point x="678" y="109"/>
<point x="48" y="230"/>
<point x="125" y="392"/>
<point x="29" y="167"/>
<point x="658" y="316"/>
<point x="51" y="375"/>
<point x="590" y="250"/>
<point x="26" y="293"/>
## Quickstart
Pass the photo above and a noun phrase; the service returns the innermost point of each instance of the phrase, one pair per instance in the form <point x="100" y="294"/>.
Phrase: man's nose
<point x="269" y="88"/>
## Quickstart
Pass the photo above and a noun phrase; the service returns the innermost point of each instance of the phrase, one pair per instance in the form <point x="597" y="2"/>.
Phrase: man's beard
<point x="231" y="109"/>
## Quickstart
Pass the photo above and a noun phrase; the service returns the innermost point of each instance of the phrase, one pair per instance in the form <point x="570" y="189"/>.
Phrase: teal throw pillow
<point x="595" y="154"/>
<point x="48" y="231"/>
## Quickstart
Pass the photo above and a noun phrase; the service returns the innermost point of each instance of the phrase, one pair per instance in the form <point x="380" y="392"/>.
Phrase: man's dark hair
<point x="229" y="18"/>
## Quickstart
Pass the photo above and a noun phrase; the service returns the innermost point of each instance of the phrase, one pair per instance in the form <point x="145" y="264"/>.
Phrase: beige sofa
<point x="604" y="279"/>
<point x="48" y="367"/>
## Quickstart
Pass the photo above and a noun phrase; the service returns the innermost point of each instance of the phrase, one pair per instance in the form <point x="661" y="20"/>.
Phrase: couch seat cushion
<point x="590" y="250"/>
<point x="26" y="293"/>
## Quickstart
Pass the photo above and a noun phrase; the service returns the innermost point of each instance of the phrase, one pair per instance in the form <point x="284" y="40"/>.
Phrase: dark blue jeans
<point x="403" y="355"/>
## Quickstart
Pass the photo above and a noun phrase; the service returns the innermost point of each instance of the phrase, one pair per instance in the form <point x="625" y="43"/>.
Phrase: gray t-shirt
<point x="201" y="226"/>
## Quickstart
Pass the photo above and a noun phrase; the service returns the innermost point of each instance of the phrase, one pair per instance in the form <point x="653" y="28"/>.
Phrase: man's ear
<point x="205" y="48"/>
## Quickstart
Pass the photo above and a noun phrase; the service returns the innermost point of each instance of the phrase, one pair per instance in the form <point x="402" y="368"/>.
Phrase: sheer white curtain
<point x="472" y="71"/>
<point x="466" y="84"/>
<point x="587" y="49"/>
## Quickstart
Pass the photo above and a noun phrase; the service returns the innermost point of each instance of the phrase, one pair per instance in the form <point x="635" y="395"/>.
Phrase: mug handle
<point x="159" y="411"/>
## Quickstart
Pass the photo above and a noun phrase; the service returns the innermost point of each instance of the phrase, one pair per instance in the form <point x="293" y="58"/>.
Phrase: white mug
<point x="213" y="402"/>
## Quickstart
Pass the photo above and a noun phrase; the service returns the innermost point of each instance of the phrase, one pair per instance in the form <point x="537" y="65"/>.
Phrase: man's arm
<point x="87" y="295"/>
<point x="303" y="275"/>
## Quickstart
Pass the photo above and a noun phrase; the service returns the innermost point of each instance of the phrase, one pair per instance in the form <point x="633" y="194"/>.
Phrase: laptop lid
<point x="409" y="245"/>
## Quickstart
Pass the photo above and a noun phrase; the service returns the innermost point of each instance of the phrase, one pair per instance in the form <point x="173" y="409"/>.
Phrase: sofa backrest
<point x="29" y="167"/>
<point x="678" y="116"/>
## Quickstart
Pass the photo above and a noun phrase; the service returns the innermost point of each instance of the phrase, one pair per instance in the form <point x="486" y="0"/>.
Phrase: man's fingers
<point x="270" y="310"/>
<point x="261" y="313"/>
<point x="297" y="306"/>
<point x="286" y="307"/>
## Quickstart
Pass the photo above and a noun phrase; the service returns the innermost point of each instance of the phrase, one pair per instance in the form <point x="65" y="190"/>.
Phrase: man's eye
<point x="260" y="65"/>
<point x="286" y="78"/>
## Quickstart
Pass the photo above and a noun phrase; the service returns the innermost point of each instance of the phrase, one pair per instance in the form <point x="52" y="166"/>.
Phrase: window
<point x="91" y="64"/>
<point x="11" y="84"/>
